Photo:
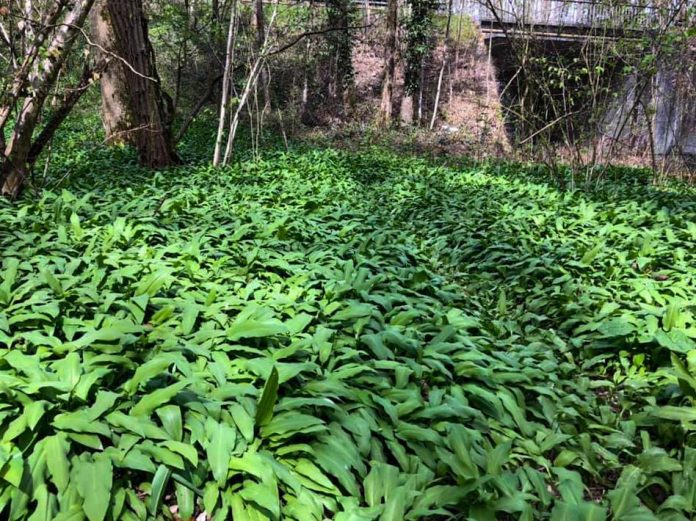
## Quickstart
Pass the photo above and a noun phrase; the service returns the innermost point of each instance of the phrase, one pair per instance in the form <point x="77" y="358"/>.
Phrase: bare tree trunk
<point x="217" y="154"/>
<point x="249" y="88"/>
<point x="117" y="117"/>
<point x="651" y="138"/>
<point x="264" y="74"/>
<point x="22" y="77"/>
<point x="150" y="107"/>
<point x="385" y="116"/>
<point x="304" y="102"/>
<point x="445" y="57"/>
<point x="234" y="122"/>
<point x="421" y="92"/>
<point x="17" y="166"/>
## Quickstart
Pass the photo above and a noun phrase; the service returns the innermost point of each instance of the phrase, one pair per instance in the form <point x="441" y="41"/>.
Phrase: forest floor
<point x="345" y="335"/>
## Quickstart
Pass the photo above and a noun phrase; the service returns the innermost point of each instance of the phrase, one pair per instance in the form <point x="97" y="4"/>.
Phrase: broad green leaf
<point x="264" y="408"/>
<point x="264" y="495"/>
<point x="210" y="497"/>
<point x="159" y="485"/>
<point x="157" y="398"/>
<point x="244" y="422"/>
<point x="616" y="327"/>
<point x="221" y="442"/>
<point x="94" y="481"/>
<point x="246" y="327"/>
<point x="148" y="370"/>
<point x="170" y="416"/>
<point x="57" y="448"/>
<point x="396" y="505"/>
<point x="185" y="500"/>
<point x="80" y="422"/>
<point x="670" y="412"/>
<point x="187" y="451"/>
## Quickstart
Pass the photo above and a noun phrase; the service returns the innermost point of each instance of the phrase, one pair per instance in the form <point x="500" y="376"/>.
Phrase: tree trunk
<point x="148" y="103"/>
<point x="264" y="77"/>
<point x="17" y="165"/>
<point x="385" y="116"/>
<point x="117" y="117"/>
<point x="24" y="75"/>
<point x="226" y="87"/>
<point x="418" y="116"/>
<point x="445" y="59"/>
<point x="339" y="13"/>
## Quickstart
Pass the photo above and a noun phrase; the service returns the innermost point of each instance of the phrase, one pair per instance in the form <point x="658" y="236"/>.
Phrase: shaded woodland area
<point x="357" y="261"/>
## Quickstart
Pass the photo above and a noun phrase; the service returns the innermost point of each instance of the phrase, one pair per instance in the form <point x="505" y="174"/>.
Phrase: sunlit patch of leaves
<point x="325" y="335"/>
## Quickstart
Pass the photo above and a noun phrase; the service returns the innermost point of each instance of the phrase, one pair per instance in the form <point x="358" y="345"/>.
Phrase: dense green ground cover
<point x="346" y="336"/>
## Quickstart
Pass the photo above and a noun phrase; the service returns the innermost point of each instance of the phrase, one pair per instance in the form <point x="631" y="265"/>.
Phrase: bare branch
<point x="307" y="34"/>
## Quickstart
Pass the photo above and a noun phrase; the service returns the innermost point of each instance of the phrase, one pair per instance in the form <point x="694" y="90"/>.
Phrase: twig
<point x="196" y="110"/>
<point x="89" y="42"/>
<point x="128" y="131"/>
<point x="302" y="36"/>
<point x="559" y="118"/>
<point x="112" y="54"/>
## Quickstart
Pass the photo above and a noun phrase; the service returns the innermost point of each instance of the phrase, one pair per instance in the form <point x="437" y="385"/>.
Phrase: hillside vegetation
<point x="323" y="335"/>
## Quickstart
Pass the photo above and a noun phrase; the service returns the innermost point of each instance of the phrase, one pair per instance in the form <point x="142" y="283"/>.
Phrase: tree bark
<point x="385" y="116"/>
<point x="260" y="39"/>
<point x="339" y="14"/>
<point x="17" y="165"/>
<point x="148" y="103"/>
<point x="23" y="76"/>
<point x="117" y="117"/>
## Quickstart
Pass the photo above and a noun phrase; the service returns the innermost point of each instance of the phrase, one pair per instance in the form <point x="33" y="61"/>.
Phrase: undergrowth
<point x="351" y="336"/>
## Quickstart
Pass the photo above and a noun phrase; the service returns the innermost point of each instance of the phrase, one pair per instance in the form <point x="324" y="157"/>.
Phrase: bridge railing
<point x="616" y="14"/>
<point x="563" y="13"/>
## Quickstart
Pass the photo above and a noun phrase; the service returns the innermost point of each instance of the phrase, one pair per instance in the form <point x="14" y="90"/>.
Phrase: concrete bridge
<point x="564" y="26"/>
<point x="567" y="18"/>
<point x="567" y="15"/>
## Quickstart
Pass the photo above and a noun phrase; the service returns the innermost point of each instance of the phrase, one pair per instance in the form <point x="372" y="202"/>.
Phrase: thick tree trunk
<point x="152" y="118"/>
<point x="117" y="117"/>
<point x="385" y="116"/>
<point x="17" y="164"/>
